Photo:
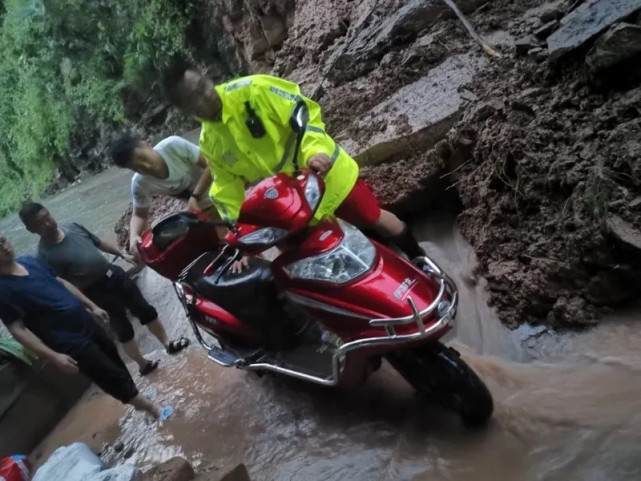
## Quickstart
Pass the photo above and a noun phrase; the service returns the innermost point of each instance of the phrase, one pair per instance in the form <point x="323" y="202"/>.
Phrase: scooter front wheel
<point x="439" y="372"/>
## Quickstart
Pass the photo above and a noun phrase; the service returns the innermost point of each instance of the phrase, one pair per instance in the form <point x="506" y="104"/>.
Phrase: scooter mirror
<point x="300" y="117"/>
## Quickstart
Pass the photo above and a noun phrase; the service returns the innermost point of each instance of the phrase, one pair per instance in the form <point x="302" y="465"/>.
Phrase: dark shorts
<point x="99" y="361"/>
<point x="116" y="293"/>
<point x="360" y="207"/>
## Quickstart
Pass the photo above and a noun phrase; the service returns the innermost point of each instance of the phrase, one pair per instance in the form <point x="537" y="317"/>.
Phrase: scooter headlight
<point x="312" y="192"/>
<point x="266" y="236"/>
<point x="350" y="259"/>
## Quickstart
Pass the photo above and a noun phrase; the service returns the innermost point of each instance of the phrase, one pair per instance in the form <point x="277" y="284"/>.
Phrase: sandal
<point x="151" y="366"/>
<point x="177" y="345"/>
<point x="166" y="412"/>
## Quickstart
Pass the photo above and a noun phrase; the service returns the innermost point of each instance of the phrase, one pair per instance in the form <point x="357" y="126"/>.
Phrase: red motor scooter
<point x="328" y="309"/>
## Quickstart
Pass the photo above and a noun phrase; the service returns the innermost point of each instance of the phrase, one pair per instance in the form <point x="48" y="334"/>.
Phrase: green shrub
<point x="63" y="68"/>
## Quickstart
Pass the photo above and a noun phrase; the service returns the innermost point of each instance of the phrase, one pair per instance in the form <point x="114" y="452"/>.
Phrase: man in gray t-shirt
<point x="77" y="257"/>
<point x="75" y="254"/>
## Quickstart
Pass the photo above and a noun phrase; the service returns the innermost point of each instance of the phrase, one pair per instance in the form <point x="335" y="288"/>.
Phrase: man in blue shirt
<point x="75" y="255"/>
<point x="54" y="319"/>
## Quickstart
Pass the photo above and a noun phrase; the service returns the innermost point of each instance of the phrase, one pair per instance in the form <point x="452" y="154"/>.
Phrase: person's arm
<point x="110" y="248"/>
<point x="137" y="226"/>
<point x="202" y="187"/>
<point x="32" y="342"/>
<point x="318" y="150"/>
<point x="93" y="309"/>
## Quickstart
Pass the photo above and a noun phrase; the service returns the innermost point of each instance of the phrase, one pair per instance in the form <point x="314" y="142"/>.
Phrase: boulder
<point x="587" y="21"/>
<point x="175" y="469"/>
<point x="416" y="116"/>
<point x="621" y="42"/>
<point x="375" y="40"/>
<point x="624" y="232"/>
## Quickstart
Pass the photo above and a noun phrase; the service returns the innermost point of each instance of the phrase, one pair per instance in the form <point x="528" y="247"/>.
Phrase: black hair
<point x="171" y="77"/>
<point x="29" y="211"/>
<point x="122" y="149"/>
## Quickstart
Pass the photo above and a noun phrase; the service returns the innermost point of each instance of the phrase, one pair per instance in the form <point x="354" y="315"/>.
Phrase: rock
<point x="239" y="473"/>
<point x="525" y="44"/>
<point x="469" y="96"/>
<point x="621" y="42"/>
<point x="175" y="469"/>
<point x="130" y="452"/>
<point x="539" y="53"/>
<point x="416" y="116"/>
<point x="426" y="50"/>
<point x="587" y="21"/>
<point x="545" y="30"/>
<point x="624" y="232"/>
<point x="375" y="40"/>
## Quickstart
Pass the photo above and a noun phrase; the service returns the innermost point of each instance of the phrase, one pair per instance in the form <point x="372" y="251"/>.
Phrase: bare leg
<point x="133" y="352"/>
<point x="388" y="225"/>
<point x="143" y="404"/>
<point x="157" y="329"/>
<point x="393" y="228"/>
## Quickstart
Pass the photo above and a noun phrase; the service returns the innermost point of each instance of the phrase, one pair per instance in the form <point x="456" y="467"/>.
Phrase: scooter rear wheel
<point x="439" y="372"/>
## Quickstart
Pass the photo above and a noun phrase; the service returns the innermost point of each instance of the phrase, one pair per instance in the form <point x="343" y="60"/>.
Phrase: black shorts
<point x="99" y="361"/>
<point x="115" y="293"/>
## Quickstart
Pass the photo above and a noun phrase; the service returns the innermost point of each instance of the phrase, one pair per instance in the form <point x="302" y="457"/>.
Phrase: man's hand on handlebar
<point x="320" y="163"/>
<point x="240" y="265"/>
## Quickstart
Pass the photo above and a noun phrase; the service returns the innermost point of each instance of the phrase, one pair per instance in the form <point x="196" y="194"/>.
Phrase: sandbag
<point x="14" y="468"/>
<point x="75" y="462"/>
<point x="125" y="472"/>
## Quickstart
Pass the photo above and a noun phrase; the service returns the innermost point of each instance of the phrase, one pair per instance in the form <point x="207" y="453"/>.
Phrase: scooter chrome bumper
<point x="446" y="309"/>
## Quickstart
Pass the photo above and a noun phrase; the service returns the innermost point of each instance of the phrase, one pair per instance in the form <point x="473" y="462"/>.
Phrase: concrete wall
<point x="32" y="401"/>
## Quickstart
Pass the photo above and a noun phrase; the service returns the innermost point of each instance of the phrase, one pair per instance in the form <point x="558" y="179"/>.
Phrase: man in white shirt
<point x="173" y="167"/>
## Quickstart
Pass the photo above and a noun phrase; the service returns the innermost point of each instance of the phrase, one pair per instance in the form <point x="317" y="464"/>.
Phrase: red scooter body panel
<point x="346" y="309"/>
<point x="218" y="320"/>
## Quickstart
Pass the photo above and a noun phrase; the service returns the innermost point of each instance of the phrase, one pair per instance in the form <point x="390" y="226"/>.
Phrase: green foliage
<point x="63" y="66"/>
<point x="11" y="347"/>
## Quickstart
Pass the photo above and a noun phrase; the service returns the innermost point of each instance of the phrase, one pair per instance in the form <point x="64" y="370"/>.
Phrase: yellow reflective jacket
<point x="237" y="159"/>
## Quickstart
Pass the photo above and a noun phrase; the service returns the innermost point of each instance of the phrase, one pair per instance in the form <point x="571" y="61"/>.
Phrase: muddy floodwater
<point x="568" y="405"/>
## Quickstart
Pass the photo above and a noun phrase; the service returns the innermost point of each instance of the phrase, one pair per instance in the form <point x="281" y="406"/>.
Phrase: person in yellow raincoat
<point x="246" y="137"/>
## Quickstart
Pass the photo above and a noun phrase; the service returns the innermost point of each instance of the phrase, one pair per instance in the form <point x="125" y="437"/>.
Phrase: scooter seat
<point x="251" y="295"/>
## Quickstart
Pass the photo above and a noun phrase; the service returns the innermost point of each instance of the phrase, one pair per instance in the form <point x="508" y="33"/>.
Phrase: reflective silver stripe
<point x="288" y="148"/>
<point x="313" y="128"/>
<point x="282" y="93"/>
<point x="239" y="84"/>
<point x="314" y="304"/>
<point x="335" y="154"/>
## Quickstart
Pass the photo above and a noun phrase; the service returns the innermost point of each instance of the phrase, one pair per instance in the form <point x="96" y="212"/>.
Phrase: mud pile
<point x="552" y="182"/>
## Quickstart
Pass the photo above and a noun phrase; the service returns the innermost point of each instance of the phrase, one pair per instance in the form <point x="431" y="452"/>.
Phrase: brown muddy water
<point x="568" y="406"/>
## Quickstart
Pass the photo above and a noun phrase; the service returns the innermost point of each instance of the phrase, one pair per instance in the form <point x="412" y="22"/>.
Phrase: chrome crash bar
<point x="446" y="310"/>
